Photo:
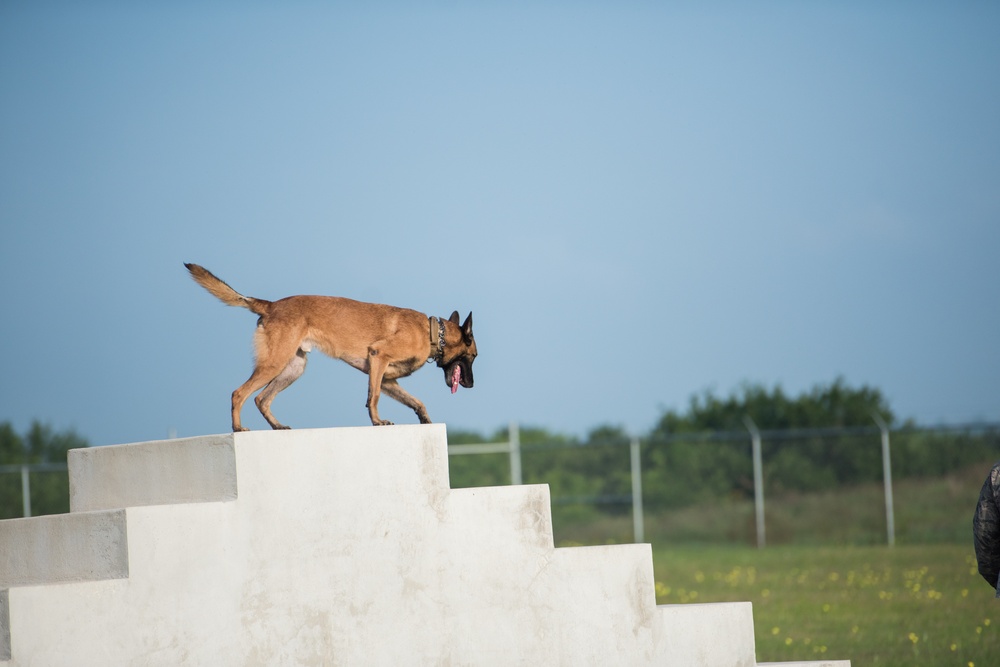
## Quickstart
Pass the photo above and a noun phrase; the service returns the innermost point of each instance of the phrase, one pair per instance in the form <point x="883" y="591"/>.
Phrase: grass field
<point x="826" y="587"/>
<point x="906" y="605"/>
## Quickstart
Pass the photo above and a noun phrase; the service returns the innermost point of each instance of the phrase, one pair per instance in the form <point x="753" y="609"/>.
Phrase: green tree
<point x="40" y="444"/>
<point x="705" y="451"/>
<point x="825" y="406"/>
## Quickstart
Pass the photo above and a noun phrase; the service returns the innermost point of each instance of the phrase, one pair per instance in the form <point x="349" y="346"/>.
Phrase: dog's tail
<point x="224" y="293"/>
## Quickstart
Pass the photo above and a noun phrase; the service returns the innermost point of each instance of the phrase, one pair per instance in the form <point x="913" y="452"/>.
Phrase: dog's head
<point x="458" y="355"/>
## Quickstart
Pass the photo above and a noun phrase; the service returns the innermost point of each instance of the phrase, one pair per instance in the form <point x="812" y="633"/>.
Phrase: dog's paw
<point x="382" y="422"/>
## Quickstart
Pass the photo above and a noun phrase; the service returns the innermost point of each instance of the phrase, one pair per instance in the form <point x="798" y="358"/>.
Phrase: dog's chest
<point x="404" y="367"/>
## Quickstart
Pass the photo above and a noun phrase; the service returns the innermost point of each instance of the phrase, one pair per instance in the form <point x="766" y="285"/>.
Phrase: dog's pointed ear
<point x="454" y="318"/>
<point x="467" y="327"/>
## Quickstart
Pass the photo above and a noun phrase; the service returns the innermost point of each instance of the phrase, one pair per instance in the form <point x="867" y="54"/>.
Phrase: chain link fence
<point x="871" y="485"/>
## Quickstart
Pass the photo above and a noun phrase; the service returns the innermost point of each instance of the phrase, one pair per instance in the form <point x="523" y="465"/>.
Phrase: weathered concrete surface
<point x="708" y="634"/>
<point x="347" y="547"/>
<point x="186" y="470"/>
<point x="4" y="626"/>
<point x="63" y="547"/>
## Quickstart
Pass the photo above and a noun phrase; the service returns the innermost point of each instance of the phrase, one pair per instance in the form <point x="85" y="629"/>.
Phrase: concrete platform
<point x="328" y="547"/>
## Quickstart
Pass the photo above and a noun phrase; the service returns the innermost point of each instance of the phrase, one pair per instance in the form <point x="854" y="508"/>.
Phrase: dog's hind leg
<point x="258" y="379"/>
<point x="276" y="350"/>
<point x="392" y="388"/>
<point x="295" y="368"/>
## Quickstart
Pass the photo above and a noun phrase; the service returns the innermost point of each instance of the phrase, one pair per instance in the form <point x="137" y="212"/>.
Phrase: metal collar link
<point x="436" y="354"/>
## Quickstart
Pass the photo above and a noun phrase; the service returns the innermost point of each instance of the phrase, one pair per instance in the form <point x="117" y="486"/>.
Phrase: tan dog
<point x="385" y="342"/>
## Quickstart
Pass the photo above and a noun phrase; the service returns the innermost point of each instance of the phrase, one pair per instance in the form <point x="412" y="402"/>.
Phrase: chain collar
<point x="437" y="341"/>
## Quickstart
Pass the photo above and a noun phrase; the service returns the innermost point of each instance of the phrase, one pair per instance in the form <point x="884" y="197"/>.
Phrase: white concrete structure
<point x="328" y="547"/>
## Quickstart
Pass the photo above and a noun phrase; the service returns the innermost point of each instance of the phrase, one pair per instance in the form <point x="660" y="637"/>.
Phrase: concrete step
<point x="91" y="546"/>
<point x="203" y="468"/>
<point x="65" y="547"/>
<point x="709" y="634"/>
<point x="187" y="470"/>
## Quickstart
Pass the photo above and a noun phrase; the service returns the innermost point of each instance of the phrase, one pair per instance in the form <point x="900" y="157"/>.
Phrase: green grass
<point x="906" y="605"/>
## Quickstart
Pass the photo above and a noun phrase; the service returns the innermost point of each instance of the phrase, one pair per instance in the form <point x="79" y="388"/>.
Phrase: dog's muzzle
<point x="458" y="372"/>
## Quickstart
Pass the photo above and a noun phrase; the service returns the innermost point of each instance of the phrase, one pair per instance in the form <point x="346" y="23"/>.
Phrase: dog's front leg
<point x="376" y="369"/>
<point x="392" y="388"/>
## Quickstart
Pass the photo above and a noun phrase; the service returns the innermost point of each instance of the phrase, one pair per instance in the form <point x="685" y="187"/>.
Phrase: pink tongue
<point x="456" y="375"/>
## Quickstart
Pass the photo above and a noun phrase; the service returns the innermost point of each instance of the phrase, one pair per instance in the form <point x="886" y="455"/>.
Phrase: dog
<point x="385" y="342"/>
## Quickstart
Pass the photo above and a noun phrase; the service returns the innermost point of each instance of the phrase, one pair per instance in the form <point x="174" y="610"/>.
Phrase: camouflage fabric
<point x="986" y="529"/>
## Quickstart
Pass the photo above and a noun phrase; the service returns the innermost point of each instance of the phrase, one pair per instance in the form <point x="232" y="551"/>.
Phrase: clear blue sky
<point x="638" y="201"/>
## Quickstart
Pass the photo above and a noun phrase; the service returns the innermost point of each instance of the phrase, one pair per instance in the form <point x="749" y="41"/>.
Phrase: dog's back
<point x="344" y="328"/>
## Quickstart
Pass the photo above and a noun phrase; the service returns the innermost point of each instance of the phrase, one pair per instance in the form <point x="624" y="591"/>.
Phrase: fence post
<point x="890" y="519"/>
<point x="514" y="443"/>
<point x="758" y="480"/>
<point x="638" y="527"/>
<point x="25" y="491"/>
